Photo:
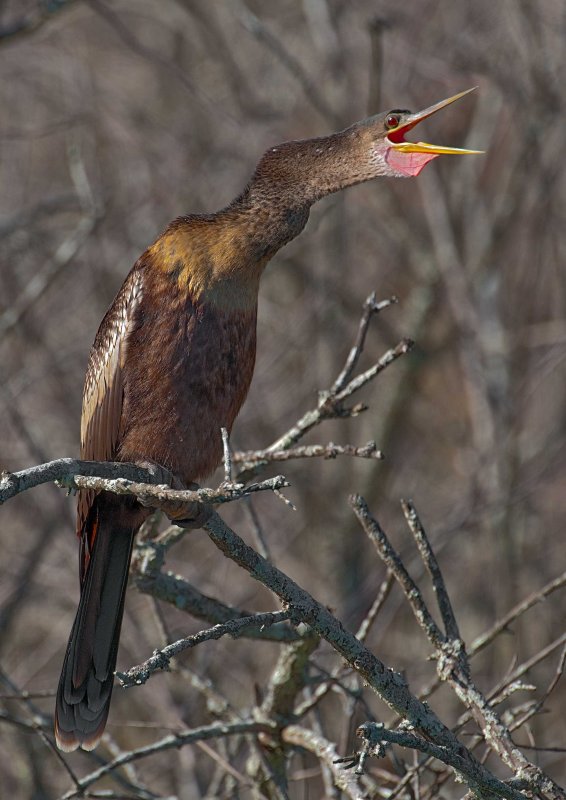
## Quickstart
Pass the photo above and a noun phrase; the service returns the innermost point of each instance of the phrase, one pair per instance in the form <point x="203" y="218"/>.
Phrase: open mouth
<point x="409" y="158"/>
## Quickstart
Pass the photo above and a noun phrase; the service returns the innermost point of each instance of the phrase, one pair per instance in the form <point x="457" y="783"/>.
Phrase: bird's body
<point x="172" y="364"/>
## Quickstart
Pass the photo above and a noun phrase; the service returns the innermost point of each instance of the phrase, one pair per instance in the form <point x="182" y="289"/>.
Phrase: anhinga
<point x="173" y="359"/>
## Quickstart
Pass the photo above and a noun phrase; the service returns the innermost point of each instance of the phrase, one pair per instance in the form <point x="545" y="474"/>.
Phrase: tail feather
<point x="87" y="677"/>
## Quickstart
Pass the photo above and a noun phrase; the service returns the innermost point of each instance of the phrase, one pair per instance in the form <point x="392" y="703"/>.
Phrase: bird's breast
<point x="189" y="370"/>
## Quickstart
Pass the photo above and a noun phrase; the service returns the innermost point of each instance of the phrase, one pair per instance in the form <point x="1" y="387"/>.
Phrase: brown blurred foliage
<point x="117" y="117"/>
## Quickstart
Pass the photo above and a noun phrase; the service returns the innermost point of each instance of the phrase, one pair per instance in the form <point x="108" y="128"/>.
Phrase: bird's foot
<point x="159" y="474"/>
<point x="191" y="515"/>
<point x="187" y="515"/>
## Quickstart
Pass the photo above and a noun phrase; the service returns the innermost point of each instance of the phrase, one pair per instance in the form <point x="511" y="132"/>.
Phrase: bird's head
<point x="385" y="142"/>
<point x="301" y="172"/>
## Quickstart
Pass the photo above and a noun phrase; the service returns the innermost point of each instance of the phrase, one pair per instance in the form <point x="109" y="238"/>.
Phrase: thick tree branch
<point x="123" y="478"/>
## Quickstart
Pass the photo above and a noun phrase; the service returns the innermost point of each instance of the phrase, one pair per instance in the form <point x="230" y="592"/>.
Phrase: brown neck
<point x="274" y="207"/>
<point x="298" y="173"/>
<point x="222" y="256"/>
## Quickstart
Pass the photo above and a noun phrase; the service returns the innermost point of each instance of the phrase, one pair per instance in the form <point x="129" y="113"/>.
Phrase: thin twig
<point x="401" y="349"/>
<point x="557" y="676"/>
<point x="371" y="308"/>
<point x="225" y="765"/>
<point x="176" y="740"/>
<point x="227" y="450"/>
<point x="393" y="562"/>
<point x="330" y="406"/>
<point x="260" y="540"/>
<point x="178" y="592"/>
<point x="377" y="605"/>
<point x="160" y="659"/>
<point x="248" y="458"/>
<point x="431" y="564"/>
<point x="518" y="610"/>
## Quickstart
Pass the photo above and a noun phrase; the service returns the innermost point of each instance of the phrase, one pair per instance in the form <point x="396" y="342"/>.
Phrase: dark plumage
<point x="172" y="363"/>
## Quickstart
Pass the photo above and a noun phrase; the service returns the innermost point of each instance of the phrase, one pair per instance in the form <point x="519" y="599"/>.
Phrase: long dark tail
<point x="87" y="677"/>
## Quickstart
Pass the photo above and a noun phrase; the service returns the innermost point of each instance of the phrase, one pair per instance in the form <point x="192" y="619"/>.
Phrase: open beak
<point x="409" y="158"/>
<point x="396" y="136"/>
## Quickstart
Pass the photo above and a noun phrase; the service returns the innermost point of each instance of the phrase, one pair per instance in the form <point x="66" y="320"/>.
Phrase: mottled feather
<point x="103" y="395"/>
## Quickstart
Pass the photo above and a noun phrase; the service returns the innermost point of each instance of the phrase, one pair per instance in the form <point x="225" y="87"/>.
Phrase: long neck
<point x="302" y="172"/>
<point x="266" y="218"/>
<point x="222" y="255"/>
<point x="274" y="207"/>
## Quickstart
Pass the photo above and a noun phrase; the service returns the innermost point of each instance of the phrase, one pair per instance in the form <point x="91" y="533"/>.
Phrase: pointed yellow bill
<point x="423" y="147"/>
<point x="396" y="136"/>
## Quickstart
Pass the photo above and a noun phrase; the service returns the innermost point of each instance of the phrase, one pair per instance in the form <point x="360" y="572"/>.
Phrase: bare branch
<point x="330" y="402"/>
<point x="227" y="456"/>
<point x="109" y="476"/>
<point x="329" y="406"/>
<point x="248" y="458"/>
<point x="61" y="469"/>
<point x="161" y="495"/>
<point x="503" y="624"/>
<point x="257" y="28"/>
<point x="371" y="308"/>
<point x="161" y="658"/>
<point x="216" y="731"/>
<point x="375" y="734"/>
<point x="453" y="665"/>
<point x="393" y="562"/>
<point x="326" y="753"/>
<point x="431" y="564"/>
<point x="170" y="588"/>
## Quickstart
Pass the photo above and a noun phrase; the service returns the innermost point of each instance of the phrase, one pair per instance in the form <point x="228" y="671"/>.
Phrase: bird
<point x="172" y="363"/>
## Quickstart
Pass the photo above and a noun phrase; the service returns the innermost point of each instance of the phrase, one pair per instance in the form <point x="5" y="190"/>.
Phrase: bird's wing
<point x="103" y="395"/>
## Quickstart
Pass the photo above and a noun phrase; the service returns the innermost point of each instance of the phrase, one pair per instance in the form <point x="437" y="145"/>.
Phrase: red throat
<point x="409" y="164"/>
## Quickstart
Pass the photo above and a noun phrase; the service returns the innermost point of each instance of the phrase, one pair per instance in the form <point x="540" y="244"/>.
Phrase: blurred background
<point x="119" y="116"/>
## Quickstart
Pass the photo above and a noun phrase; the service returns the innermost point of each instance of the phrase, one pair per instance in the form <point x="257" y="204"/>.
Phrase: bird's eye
<point x="391" y="121"/>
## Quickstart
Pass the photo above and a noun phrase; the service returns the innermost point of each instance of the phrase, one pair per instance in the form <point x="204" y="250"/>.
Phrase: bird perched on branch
<point x="172" y="362"/>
